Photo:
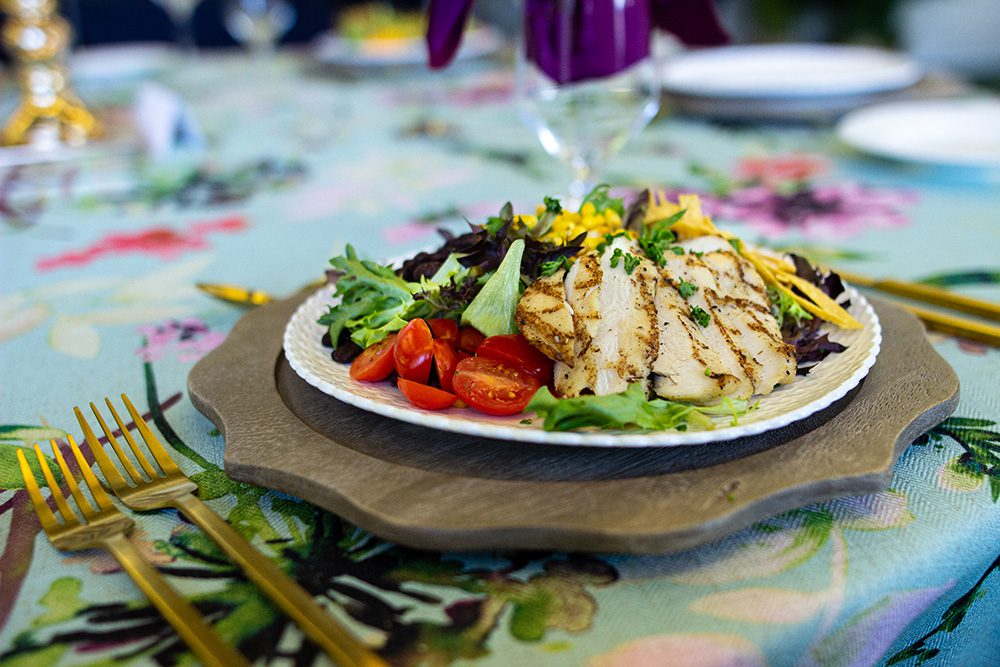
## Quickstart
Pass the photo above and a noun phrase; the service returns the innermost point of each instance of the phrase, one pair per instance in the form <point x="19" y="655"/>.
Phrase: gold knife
<point x="236" y="294"/>
<point x="245" y="296"/>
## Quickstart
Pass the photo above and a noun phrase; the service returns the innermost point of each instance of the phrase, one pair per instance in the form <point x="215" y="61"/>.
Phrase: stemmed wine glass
<point x="587" y="80"/>
<point x="180" y="13"/>
<point x="258" y="24"/>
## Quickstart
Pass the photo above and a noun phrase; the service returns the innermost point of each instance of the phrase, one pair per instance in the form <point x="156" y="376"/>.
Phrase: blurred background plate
<point x="961" y="132"/>
<point x="788" y="71"/>
<point x="332" y="49"/>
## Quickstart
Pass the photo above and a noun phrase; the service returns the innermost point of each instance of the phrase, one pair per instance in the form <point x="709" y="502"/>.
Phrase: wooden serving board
<point x="435" y="490"/>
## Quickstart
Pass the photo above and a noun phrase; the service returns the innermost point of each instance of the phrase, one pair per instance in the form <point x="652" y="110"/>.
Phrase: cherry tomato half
<point x="424" y="396"/>
<point x="445" y="329"/>
<point x="376" y="362"/>
<point x="445" y="361"/>
<point x="469" y="339"/>
<point x="515" y="351"/>
<point x="413" y="351"/>
<point x="491" y="387"/>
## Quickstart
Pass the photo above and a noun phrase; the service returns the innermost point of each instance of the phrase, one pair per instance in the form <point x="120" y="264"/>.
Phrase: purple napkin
<point x="579" y="51"/>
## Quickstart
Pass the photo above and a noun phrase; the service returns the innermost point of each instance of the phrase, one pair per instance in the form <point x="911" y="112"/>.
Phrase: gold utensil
<point x="236" y="294"/>
<point x="928" y="294"/>
<point x="936" y="320"/>
<point x="105" y="527"/>
<point x="245" y="296"/>
<point x="956" y="326"/>
<point x="169" y="487"/>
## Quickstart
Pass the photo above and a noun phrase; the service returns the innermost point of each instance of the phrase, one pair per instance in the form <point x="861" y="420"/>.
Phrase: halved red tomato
<point x="469" y="339"/>
<point x="445" y="329"/>
<point x="376" y="362"/>
<point x="424" y="396"/>
<point x="413" y="351"/>
<point x="492" y="387"/>
<point x="445" y="361"/>
<point x="515" y="351"/>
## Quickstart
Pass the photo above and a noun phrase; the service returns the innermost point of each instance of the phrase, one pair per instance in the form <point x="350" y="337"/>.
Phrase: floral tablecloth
<point x="99" y="259"/>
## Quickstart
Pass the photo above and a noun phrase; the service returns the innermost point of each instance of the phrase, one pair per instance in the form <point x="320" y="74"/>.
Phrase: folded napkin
<point x="164" y="121"/>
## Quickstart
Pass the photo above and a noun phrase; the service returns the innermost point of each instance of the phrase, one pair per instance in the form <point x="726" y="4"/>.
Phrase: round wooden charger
<point x="435" y="490"/>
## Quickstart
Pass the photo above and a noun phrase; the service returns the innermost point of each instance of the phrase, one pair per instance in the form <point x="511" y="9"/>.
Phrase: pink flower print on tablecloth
<point x="833" y="210"/>
<point x="191" y="339"/>
<point x="777" y="170"/>
<point x="163" y="242"/>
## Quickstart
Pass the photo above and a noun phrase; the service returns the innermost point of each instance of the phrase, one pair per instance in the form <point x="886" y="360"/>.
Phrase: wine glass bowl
<point x="588" y="80"/>
<point x="258" y="24"/>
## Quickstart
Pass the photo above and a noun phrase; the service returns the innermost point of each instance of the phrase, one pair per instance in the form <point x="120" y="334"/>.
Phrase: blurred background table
<point x="99" y="258"/>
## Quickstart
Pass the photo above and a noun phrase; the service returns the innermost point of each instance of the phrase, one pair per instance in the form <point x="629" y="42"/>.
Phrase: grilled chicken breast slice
<point x="741" y="328"/>
<point x="546" y="320"/>
<point x="686" y="367"/>
<point x="614" y="317"/>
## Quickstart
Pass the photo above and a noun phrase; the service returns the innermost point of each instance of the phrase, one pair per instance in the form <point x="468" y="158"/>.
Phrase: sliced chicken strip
<point x="546" y="320"/>
<point x="717" y="335"/>
<point x="686" y="368"/>
<point x="741" y="327"/>
<point x="614" y="315"/>
<point x="747" y="308"/>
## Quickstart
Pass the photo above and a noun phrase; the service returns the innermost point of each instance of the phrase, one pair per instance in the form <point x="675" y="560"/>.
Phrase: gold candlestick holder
<point x="49" y="114"/>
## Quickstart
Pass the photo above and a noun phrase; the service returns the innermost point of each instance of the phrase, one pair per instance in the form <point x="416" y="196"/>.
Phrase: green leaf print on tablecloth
<point x="978" y="463"/>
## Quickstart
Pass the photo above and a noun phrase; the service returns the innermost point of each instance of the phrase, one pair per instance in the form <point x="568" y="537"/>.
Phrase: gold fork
<point x="169" y="487"/>
<point x="105" y="527"/>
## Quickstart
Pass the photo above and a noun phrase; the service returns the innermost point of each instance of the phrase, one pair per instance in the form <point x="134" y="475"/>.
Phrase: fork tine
<point x="159" y="453"/>
<point x="133" y="445"/>
<point x="113" y="441"/>
<point x="100" y="497"/>
<point x="74" y="488"/>
<point x="45" y="515"/>
<point x="111" y="473"/>
<point x="69" y="517"/>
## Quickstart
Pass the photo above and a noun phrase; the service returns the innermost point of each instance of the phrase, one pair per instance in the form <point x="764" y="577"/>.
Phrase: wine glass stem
<point x="583" y="181"/>
<point x="184" y="34"/>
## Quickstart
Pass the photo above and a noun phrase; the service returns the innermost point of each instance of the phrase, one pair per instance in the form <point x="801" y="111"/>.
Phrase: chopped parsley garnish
<point x="525" y="421"/>
<point x="699" y="315"/>
<point x="677" y="250"/>
<point x="737" y="245"/>
<point x="631" y="261"/>
<point x="608" y="240"/>
<point x="697" y="253"/>
<point x="708" y="372"/>
<point x="549" y="268"/>
<point x="686" y="289"/>
<point x="656" y="237"/>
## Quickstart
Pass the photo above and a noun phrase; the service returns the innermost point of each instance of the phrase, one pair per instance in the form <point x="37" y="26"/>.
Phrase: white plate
<point x="828" y="381"/>
<point x="335" y="50"/>
<point x="788" y="70"/>
<point x="945" y="132"/>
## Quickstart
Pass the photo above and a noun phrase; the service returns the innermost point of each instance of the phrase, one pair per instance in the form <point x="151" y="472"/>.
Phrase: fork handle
<point x="300" y="606"/>
<point x="186" y="620"/>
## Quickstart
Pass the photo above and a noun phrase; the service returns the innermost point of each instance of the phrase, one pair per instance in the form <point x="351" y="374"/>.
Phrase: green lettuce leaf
<point x="628" y="410"/>
<point x="375" y="302"/>
<point x="492" y="311"/>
